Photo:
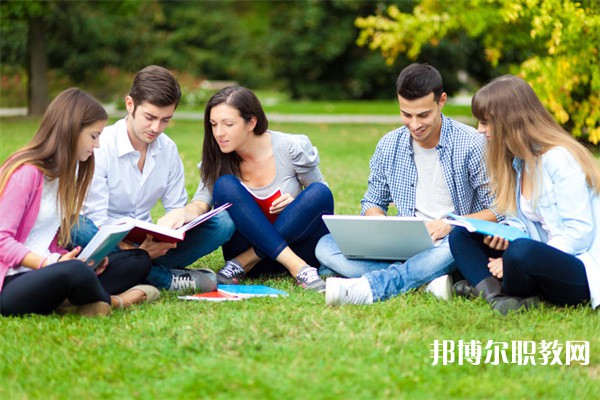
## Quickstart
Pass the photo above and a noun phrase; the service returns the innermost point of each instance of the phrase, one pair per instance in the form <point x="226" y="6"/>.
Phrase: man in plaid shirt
<point x="431" y="166"/>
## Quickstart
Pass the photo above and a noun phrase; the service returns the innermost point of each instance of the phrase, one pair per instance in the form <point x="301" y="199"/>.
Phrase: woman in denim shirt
<point x="551" y="183"/>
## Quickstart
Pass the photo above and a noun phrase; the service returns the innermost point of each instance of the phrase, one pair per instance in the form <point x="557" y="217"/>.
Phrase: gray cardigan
<point x="296" y="163"/>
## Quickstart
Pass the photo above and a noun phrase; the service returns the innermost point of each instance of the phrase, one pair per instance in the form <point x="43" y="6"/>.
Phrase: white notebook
<point x="379" y="238"/>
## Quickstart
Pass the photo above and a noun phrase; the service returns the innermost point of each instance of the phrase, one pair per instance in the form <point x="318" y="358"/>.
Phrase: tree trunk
<point x="37" y="87"/>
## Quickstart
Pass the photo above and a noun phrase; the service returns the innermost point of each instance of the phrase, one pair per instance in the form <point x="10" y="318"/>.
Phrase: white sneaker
<point x="441" y="287"/>
<point x="340" y="291"/>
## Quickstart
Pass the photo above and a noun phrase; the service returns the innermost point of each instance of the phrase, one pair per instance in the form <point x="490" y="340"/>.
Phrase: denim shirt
<point x="570" y="209"/>
<point x="393" y="176"/>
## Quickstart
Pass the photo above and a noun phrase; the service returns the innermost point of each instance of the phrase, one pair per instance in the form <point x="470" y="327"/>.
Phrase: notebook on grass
<point x="245" y="291"/>
<point x="211" y="296"/>
<point x="379" y="238"/>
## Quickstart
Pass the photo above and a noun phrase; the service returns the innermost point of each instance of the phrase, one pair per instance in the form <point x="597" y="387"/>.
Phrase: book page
<point x="201" y="218"/>
<point x="142" y="228"/>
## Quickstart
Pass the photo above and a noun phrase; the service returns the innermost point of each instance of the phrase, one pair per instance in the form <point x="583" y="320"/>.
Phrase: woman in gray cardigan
<point x="274" y="184"/>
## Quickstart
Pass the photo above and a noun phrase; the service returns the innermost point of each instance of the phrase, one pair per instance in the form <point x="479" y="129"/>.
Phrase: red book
<point x="211" y="296"/>
<point x="159" y="233"/>
<point x="265" y="203"/>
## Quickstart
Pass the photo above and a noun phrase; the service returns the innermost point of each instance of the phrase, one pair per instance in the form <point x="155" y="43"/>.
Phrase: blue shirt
<point x="570" y="209"/>
<point x="394" y="174"/>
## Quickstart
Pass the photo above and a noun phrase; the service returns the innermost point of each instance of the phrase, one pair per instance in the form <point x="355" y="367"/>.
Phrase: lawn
<point x="294" y="347"/>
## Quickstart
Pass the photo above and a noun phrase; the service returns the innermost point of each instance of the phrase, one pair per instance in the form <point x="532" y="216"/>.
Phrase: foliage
<point x="553" y="44"/>
<point x="304" y="48"/>
<point x="314" y="56"/>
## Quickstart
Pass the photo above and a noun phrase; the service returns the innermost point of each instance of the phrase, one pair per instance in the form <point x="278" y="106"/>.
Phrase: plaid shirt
<point x="394" y="175"/>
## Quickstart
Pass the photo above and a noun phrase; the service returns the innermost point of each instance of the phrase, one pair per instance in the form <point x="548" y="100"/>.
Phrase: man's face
<point x="147" y="122"/>
<point x="423" y="118"/>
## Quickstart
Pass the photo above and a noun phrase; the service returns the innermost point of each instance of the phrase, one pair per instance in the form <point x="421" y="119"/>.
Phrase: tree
<point x="77" y="38"/>
<point x="553" y="44"/>
<point x="37" y="65"/>
<point x="313" y="54"/>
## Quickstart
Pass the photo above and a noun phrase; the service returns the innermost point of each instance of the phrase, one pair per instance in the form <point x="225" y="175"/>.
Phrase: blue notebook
<point x="507" y="232"/>
<point x="245" y="291"/>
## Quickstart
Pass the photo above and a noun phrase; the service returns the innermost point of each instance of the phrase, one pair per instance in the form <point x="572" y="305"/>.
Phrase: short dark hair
<point x="418" y="80"/>
<point x="157" y="86"/>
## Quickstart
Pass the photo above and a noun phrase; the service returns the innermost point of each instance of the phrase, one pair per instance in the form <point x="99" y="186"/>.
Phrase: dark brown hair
<point x="214" y="162"/>
<point x="157" y="86"/>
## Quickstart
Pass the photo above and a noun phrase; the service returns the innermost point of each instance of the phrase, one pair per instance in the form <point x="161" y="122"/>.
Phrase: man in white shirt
<point x="137" y="165"/>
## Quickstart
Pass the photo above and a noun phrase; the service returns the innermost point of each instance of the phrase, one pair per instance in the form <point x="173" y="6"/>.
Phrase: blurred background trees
<point x="337" y="49"/>
<point x="553" y="44"/>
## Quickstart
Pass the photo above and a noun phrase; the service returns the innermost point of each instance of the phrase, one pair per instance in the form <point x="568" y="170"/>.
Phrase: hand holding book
<point x="488" y="228"/>
<point x="280" y="203"/>
<point x="265" y="204"/>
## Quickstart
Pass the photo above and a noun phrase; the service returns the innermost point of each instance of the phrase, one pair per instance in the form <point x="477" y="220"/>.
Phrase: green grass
<point x="292" y="347"/>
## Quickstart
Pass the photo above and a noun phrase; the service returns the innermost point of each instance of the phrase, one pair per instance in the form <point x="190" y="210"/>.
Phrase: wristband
<point x="41" y="264"/>
<point x="53" y="258"/>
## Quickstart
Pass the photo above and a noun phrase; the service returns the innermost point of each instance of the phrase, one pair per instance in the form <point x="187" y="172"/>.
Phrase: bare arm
<point x="485" y="215"/>
<point x="374" y="212"/>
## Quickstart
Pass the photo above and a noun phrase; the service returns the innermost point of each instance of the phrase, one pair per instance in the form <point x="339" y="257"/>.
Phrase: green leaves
<point x="553" y="44"/>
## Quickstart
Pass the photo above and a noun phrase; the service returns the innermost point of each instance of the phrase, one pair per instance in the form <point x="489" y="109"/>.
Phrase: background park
<point x="324" y="69"/>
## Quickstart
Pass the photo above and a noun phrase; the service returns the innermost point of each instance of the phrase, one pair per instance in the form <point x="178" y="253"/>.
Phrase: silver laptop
<point x="379" y="238"/>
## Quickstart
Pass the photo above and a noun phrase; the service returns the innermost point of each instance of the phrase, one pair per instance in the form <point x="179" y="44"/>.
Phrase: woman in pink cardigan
<point x="42" y="188"/>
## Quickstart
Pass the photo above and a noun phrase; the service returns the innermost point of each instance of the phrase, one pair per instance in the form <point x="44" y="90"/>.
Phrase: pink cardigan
<point x="19" y="207"/>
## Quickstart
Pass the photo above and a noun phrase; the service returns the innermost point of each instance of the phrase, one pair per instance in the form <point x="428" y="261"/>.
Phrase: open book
<point x="162" y="233"/>
<point x="507" y="232"/>
<point x="104" y="242"/>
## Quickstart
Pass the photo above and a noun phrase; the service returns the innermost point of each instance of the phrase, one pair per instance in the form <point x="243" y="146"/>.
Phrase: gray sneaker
<point x="231" y="274"/>
<point x="200" y="280"/>
<point x="308" y="278"/>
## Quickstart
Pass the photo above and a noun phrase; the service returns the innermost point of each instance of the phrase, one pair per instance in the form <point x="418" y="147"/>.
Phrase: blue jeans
<point x="387" y="279"/>
<point x="529" y="268"/>
<point x="299" y="225"/>
<point x="198" y="242"/>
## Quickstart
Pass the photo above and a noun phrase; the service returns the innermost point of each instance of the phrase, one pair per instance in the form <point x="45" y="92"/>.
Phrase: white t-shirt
<point x="46" y="224"/>
<point x="433" y="200"/>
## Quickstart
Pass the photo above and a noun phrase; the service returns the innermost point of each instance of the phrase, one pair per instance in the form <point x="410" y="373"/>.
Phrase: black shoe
<point x="463" y="288"/>
<point x="491" y="290"/>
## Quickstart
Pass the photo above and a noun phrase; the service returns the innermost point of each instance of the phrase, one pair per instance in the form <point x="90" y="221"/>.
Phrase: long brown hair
<point x="53" y="151"/>
<point x="522" y="128"/>
<point x="214" y="162"/>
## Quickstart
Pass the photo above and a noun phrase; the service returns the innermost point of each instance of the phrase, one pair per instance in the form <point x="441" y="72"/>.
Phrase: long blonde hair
<point x="53" y="151"/>
<point x="522" y="128"/>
